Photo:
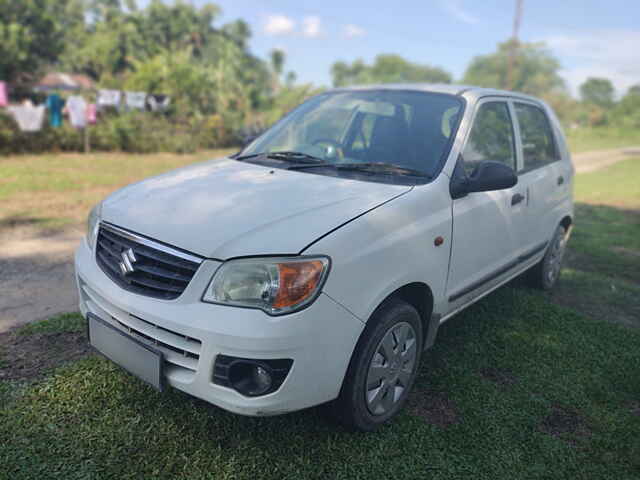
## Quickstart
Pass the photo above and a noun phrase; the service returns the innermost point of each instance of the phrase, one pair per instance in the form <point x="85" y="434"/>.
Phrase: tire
<point x="361" y="405"/>
<point x="544" y="275"/>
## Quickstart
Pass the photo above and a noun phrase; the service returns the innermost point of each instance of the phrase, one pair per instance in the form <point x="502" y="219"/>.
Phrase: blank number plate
<point x="139" y="359"/>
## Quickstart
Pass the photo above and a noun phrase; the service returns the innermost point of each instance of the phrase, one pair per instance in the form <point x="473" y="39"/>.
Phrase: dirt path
<point x="592" y="161"/>
<point x="36" y="269"/>
<point x="36" y="276"/>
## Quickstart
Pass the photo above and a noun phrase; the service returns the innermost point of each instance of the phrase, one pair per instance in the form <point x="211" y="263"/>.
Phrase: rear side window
<point x="538" y="147"/>
<point x="491" y="137"/>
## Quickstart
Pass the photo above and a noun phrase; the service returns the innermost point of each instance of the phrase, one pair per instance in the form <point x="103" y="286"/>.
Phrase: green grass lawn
<point x="585" y="139"/>
<point x="57" y="190"/>
<point x="524" y="384"/>
<point x="602" y="278"/>
<point x="617" y="186"/>
<point x="515" y="388"/>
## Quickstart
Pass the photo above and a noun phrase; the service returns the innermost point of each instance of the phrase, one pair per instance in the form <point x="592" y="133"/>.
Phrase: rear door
<point x="485" y="243"/>
<point x="541" y="174"/>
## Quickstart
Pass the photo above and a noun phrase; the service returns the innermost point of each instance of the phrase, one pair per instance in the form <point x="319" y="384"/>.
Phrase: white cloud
<point x="351" y="31"/>
<point x="279" y="25"/>
<point x="311" y="27"/>
<point x="456" y="10"/>
<point x="612" y="54"/>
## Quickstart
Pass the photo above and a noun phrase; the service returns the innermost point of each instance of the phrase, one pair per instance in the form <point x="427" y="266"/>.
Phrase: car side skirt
<point x="530" y="263"/>
<point x="500" y="271"/>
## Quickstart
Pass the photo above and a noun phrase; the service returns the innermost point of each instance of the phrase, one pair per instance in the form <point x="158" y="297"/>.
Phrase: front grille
<point x="143" y="266"/>
<point x="180" y="352"/>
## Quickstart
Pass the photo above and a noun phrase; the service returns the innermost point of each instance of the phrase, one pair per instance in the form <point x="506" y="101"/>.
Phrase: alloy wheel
<point x="554" y="261"/>
<point x="391" y="368"/>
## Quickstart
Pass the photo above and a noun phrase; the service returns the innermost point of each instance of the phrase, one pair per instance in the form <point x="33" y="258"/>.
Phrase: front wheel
<point x="382" y="369"/>
<point x="544" y="275"/>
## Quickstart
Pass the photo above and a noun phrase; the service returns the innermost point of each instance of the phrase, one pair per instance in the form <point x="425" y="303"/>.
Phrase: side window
<point x="448" y="120"/>
<point x="538" y="147"/>
<point x="491" y="137"/>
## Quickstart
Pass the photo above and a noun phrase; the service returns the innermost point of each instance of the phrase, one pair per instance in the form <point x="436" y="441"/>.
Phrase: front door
<point x="485" y="243"/>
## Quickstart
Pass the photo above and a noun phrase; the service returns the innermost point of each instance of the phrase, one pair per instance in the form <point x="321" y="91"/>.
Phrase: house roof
<point x="64" y="81"/>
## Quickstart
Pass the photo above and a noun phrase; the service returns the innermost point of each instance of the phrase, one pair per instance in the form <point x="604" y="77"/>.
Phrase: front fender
<point x="390" y="247"/>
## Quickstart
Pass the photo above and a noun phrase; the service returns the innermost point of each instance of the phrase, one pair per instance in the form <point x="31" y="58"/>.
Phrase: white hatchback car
<point x="317" y="264"/>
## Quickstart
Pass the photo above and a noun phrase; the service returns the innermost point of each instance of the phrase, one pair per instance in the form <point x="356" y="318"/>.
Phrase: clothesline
<point x="125" y="100"/>
<point x="30" y="117"/>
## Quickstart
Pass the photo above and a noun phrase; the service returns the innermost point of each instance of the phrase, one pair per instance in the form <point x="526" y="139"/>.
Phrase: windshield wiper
<point x="376" y="167"/>
<point x="246" y="157"/>
<point x="297" y="157"/>
<point x="382" y="167"/>
<point x="286" y="156"/>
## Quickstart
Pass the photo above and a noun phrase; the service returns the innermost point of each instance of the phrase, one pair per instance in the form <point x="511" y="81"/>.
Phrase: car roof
<point x="451" y="89"/>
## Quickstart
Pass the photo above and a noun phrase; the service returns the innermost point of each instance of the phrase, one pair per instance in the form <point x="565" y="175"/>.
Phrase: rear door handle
<point x="517" y="198"/>
<point x="560" y="180"/>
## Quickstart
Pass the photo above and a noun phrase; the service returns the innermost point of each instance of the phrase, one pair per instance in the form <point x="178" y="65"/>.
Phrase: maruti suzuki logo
<point x="128" y="259"/>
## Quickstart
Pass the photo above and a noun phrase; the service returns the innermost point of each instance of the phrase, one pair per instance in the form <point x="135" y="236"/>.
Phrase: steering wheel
<point x="332" y="148"/>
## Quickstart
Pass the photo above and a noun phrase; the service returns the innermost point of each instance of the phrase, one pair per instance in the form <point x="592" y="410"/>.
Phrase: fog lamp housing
<point x="251" y="377"/>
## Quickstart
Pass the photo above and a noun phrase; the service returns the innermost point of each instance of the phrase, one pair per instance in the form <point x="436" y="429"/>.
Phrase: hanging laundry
<point x="109" y="98"/>
<point x="92" y="114"/>
<point x="27" y="116"/>
<point x="135" y="100"/>
<point x="4" y="98"/>
<point x="54" y="104"/>
<point x="77" y="108"/>
<point x="158" y="103"/>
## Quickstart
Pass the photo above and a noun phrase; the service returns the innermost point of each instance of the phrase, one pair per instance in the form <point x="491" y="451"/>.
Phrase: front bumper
<point x="320" y="339"/>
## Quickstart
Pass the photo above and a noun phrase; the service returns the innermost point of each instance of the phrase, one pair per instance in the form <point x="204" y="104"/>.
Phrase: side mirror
<point x="489" y="176"/>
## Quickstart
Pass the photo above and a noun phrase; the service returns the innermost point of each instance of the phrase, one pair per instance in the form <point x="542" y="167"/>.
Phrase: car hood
<point x="227" y="208"/>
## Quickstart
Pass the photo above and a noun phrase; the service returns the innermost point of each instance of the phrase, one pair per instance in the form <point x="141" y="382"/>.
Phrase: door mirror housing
<point x="489" y="176"/>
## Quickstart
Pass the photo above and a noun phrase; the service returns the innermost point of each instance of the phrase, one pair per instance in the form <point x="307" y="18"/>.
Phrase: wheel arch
<point x="566" y="222"/>
<point x="420" y="296"/>
<point x="416" y="294"/>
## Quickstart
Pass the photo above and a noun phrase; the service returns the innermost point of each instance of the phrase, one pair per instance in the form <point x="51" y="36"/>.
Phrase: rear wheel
<point x="382" y="369"/>
<point x="545" y="274"/>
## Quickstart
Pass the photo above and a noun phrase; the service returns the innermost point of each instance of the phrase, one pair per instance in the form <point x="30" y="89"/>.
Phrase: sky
<point x="588" y="37"/>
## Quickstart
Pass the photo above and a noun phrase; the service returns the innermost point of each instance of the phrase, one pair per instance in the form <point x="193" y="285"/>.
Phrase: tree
<point x="386" y="68"/>
<point x="31" y="36"/>
<point x="290" y="79"/>
<point x="566" y="107"/>
<point x="597" y="91"/>
<point x="627" y="112"/>
<point x="178" y="25"/>
<point x="105" y="48"/>
<point x="535" y="70"/>
<point x="117" y="35"/>
<point x="277" y="58"/>
<point x="239" y="31"/>
<point x="634" y="90"/>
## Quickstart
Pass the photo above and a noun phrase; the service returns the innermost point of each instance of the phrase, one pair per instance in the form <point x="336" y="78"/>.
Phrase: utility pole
<point x="513" y="48"/>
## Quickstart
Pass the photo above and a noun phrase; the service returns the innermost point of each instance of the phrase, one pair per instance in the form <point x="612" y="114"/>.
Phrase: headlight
<point x="275" y="285"/>
<point x="93" y="222"/>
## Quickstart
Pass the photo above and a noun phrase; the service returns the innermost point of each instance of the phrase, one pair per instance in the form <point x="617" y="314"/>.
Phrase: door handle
<point x="517" y="198"/>
<point x="560" y="180"/>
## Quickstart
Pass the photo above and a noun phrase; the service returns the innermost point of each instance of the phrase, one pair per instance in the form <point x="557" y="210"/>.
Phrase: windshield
<point x="407" y="129"/>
